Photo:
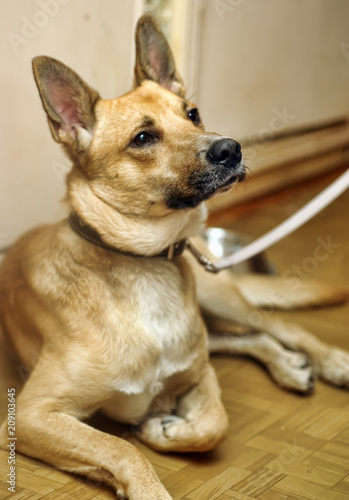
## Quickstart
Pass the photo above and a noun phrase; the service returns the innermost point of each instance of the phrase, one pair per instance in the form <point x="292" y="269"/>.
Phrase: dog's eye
<point x="194" y="116"/>
<point x="142" y="139"/>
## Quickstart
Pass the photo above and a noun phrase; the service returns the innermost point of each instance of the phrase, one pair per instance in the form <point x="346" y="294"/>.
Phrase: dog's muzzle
<point x="223" y="166"/>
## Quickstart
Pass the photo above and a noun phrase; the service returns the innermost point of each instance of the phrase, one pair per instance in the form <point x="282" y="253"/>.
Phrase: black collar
<point x="89" y="234"/>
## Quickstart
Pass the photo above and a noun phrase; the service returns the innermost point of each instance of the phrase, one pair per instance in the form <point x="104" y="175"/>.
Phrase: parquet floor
<point x="280" y="445"/>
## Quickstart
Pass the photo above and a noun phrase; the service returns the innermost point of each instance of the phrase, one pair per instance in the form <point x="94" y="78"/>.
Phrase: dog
<point x="112" y="301"/>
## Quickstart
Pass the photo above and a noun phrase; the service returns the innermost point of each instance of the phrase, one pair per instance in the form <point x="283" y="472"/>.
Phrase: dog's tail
<point x="288" y="292"/>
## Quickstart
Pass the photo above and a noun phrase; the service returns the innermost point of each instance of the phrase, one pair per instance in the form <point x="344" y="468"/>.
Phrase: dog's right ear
<point x="68" y="101"/>
<point x="154" y="58"/>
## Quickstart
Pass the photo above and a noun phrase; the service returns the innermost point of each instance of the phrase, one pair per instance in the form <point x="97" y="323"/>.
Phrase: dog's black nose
<point x="226" y="152"/>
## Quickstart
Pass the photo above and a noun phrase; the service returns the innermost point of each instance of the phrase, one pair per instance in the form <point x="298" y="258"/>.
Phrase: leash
<point x="307" y="212"/>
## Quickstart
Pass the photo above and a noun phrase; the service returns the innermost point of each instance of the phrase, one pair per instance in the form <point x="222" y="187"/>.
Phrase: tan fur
<point x="227" y="311"/>
<point x="124" y="334"/>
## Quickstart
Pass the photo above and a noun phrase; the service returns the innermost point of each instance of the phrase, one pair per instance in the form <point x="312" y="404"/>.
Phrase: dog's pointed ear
<point x="154" y="58"/>
<point x="68" y="101"/>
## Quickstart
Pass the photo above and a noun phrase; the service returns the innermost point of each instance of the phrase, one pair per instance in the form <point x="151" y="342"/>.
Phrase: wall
<point x="94" y="38"/>
<point x="272" y="63"/>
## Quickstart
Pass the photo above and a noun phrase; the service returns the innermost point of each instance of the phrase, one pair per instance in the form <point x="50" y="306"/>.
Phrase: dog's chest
<point x="163" y="309"/>
<point x="161" y="326"/>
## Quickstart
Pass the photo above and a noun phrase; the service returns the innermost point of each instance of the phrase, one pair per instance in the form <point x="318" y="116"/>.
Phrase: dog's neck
<point x="89" y="234"/>
<point x="133" y="235"/>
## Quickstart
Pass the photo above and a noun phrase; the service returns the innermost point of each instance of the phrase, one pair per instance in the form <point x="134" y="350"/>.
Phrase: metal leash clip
<point x="204" y="261"/>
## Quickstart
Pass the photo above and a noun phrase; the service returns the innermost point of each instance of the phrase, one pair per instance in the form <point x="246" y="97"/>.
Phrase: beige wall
<point x="264" y="58"/>
<point x="96" y="39"/>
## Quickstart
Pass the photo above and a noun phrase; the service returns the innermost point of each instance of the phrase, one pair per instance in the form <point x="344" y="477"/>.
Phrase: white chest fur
<point x="163" y="321"/>
<point x="168" y="318"/>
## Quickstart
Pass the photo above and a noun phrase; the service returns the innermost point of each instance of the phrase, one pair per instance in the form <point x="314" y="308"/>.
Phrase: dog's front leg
<point x="200" y="422"/>
<point x="48" y="428"/>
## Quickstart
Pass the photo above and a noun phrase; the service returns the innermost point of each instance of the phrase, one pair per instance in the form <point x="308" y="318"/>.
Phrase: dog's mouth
<point x="206" y="186"/>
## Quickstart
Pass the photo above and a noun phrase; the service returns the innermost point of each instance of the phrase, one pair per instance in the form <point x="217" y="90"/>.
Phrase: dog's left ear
<point x="154" y="58"/>
<point x="68" y="101"/>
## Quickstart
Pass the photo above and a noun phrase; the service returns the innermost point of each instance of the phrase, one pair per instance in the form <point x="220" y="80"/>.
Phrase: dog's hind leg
<point x="329" y="363"/>
<point x="200" y="422"/>
<point x="286" y="293"/>
<point x="222" y="302"/>
<point x="291" y="370"/>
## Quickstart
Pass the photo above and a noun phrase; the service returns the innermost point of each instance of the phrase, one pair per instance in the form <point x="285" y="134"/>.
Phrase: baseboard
<point x="288" y="159"/>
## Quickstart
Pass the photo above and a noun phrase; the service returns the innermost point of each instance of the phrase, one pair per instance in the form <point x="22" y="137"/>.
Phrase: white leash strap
<point x="296" y="220"/>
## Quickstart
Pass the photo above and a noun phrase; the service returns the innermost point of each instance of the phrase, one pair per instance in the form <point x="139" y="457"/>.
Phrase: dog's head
<point x="145" y="152"/>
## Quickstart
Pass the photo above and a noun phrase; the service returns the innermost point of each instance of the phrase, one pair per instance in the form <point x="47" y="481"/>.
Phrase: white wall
<point x="94" y="38"/>
<point x="261" y="58"/>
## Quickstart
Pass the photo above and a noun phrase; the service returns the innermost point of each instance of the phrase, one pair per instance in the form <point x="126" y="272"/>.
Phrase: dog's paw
<point x="120" y="495"/>
<point x="141" y="487"/>
<point x="157" y="431"/>
<point x="333" y="367"/>
<point x="292" y="371"/>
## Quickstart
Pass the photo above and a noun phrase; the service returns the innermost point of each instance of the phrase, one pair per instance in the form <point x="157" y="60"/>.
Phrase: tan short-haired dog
<point x="110" y="302"/>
